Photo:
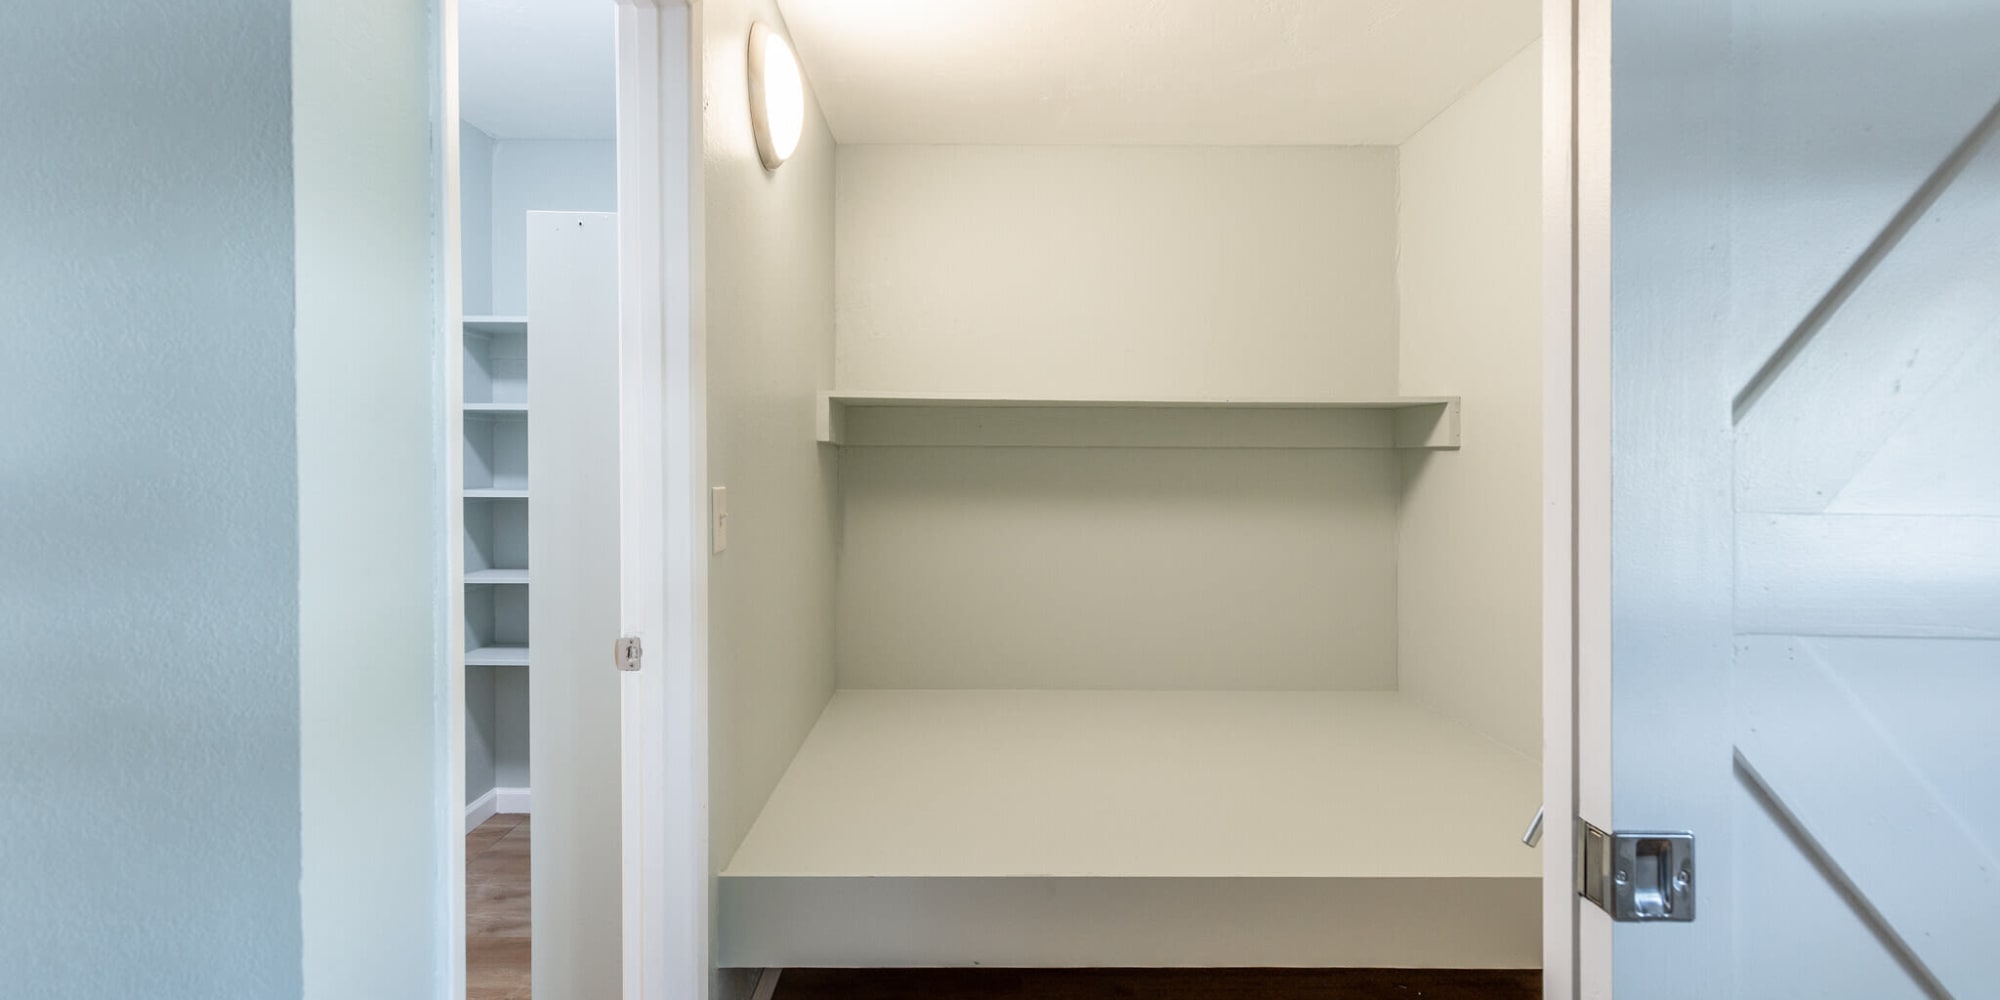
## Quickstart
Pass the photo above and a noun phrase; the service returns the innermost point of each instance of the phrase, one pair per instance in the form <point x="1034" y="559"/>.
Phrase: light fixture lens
<point x="777" y="97"/>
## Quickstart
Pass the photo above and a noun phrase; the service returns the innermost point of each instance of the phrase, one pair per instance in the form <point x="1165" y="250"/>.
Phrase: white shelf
<point x="496" y="576"/>
<point x="490" y="493"/>
<point x="497" y="656"/>
<point x="473" y="409"/>
<point x="909" y="419"/>
<point x="496" y="324"/>
<point x="1029" y="815"/>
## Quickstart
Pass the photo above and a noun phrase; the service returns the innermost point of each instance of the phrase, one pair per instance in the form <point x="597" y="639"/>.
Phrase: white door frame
<point x="1576" y="484"/>
<point x="664" y="723"/>
<point x="663" y="438"/>
<point x="448" y="246"/>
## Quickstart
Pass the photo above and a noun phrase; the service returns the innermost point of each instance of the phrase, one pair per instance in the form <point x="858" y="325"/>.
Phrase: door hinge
<point x="1636" y="876"/>
<point x="628" y="653"/>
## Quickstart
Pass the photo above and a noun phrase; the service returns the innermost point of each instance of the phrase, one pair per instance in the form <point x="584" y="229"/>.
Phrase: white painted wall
<point x="1209" y="271"/>
<point x="1117" y="270"/>
<point x="149" y="726"/>
<point x="1096" y="568"/>
<point x="1469" y="532"/>
<point x="541" y="175"/>
<point x="510" y="725"/>
<point x="371" y="500"/>
<point x="475" y="190"/>
<point x="480" y="736"/>
<point x="769" y="336"/>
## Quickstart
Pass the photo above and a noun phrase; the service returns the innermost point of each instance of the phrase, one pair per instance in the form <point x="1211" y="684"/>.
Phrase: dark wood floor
<point x="496" y="910"/>
<point x="1156" y="984"/>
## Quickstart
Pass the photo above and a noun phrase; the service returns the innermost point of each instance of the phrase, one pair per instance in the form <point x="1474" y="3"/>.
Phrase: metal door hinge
<point x="628" y="653"/>
<point x="1636" y="876"/>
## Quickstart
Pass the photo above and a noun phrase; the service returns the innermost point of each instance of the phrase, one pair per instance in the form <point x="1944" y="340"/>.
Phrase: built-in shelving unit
<point x="496" y="324"/>
<point x="906" y="419"/>
<point x="495" y="424"/>
<point x="497" y="656"/>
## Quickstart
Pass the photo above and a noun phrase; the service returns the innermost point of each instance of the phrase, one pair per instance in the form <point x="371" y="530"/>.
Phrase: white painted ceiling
<point x="538" y="69"/>
<point x="1198" y="72"/>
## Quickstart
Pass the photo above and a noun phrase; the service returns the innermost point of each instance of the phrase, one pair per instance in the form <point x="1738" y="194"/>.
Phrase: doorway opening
<point x="1129" y="419"/>
<point x="537" y="184"/>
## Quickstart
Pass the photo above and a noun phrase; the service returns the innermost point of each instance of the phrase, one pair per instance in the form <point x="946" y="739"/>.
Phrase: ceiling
<point x="538" y="69"/>
<point x="1148" y="72"/>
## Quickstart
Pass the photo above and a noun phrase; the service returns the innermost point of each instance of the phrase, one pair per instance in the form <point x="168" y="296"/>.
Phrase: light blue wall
<point x="149" y="684"/>
<point x="475" y="196"/>
<point x="542" y="175"/>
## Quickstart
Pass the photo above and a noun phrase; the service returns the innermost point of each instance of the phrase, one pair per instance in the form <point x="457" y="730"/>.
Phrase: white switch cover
<point x="718" y="513"/>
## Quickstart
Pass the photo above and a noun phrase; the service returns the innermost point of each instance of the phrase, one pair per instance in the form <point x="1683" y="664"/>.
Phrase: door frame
<point x="663" y="435"/>
<point x="664" y="722"/>
<point x="1576" y="484"/>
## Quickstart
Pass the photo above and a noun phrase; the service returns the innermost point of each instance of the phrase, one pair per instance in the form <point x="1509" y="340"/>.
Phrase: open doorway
<point x="1129" y="415"/>
<point x="537" y="186"/>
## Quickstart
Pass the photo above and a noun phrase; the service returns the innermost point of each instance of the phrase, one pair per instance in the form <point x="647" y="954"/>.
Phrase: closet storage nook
<point x="496" y="491"/>
<point x="1133" y="548"/>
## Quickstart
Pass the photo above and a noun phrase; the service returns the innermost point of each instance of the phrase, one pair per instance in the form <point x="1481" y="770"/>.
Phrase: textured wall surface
<point x="149" y="726"/>
<point x="770" y="350"/>
<point x="1469" y="245"/>
<point x="371" y="504"/>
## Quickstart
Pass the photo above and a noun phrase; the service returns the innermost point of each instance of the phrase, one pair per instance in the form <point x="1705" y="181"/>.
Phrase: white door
<point x="1804" y="373"/>
<point x="574" y="685"/>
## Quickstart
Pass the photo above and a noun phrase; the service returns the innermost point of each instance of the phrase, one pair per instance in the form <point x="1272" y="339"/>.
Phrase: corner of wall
<point x="768" y="295"/>
<point x="1468" y="240"/>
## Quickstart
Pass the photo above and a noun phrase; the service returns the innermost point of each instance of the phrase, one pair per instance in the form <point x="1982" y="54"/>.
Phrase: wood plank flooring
<point x="496" y="910"/>
<point x="1158" y="984"/>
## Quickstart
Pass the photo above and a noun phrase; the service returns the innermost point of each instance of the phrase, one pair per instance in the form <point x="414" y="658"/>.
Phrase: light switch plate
<point x="718" y="516"/>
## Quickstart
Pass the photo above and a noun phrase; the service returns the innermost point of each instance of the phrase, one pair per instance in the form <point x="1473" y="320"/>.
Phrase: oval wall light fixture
<point x="777" y="96"/>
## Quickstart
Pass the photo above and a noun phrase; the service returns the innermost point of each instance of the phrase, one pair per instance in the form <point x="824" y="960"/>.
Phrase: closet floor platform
<point x="1141" y="829"/>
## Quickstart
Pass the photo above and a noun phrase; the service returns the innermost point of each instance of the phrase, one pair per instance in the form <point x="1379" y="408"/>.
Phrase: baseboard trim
<point x="512" y="801"/>
<point x="480" y="810"/>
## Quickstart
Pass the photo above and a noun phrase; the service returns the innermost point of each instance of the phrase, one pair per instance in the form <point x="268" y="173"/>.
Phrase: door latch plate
<point x="1636" y="876"/>
<point x="628" y="653"/>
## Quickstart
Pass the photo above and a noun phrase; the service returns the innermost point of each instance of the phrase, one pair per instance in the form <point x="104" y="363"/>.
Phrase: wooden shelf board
<point x="494" y="493"/>
<point x="496" y="576"/>
<point x="497" y="656"/>
<point x="476" y="408"/>
<point x="496" y="324"/>
<point x="965" y="419"/>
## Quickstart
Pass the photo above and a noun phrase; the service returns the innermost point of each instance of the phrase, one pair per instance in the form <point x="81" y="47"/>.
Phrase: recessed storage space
<point x="496" y="535"/>
<point x="496" y="449"/>
<point x="496" y="624"/>
<point x="496" y="360"/>
<point x="1133" y="471"/>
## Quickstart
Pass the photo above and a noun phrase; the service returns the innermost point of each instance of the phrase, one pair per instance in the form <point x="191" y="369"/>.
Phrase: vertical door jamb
<point x="450" y="311"/>
<point x="1576" y="609"/>
<point x="662" y="454"/>
<point x="1592" y="99"/>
